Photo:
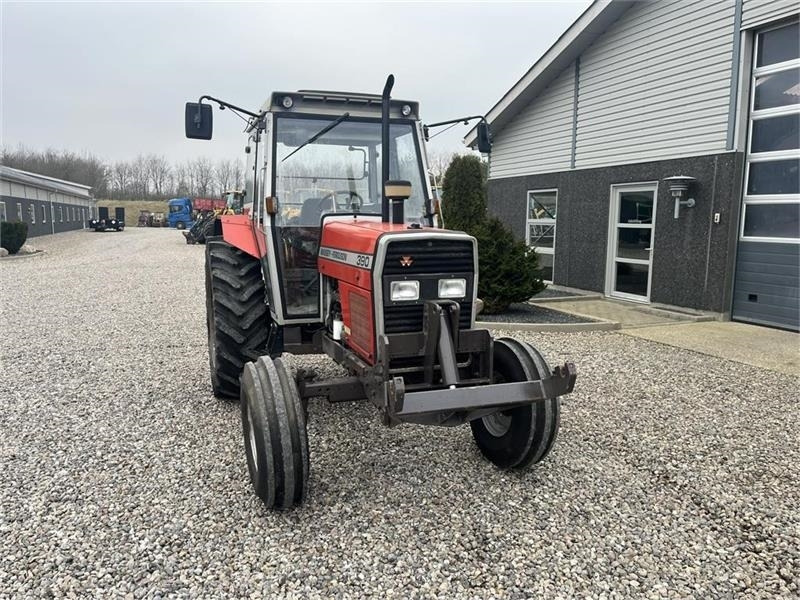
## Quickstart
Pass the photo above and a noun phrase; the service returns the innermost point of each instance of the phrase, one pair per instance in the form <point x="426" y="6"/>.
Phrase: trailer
<point x="104" y="223"/>
<point x="361" y="274"/>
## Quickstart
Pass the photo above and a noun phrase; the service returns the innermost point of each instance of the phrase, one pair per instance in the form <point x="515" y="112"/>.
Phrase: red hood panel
<point x="361" y="236"/>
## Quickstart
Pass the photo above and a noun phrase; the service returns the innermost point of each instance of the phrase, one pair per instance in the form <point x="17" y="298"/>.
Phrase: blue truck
<point x="183" y="212"/>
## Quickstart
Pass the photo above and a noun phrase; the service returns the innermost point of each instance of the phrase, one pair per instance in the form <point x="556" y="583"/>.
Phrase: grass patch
<point x="133" y="207"/>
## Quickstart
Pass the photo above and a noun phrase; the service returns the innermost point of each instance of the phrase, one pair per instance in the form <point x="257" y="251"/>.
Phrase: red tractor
<point x="353" y="267"/>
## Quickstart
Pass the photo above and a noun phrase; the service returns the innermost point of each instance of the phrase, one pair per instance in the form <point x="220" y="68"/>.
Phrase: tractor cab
<point x="323" y="155"/>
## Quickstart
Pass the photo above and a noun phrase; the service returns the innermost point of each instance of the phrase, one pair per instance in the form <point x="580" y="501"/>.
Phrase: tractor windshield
<point x="339" y="171"/>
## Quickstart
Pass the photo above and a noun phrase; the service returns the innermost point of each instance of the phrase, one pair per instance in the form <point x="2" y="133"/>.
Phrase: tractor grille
<point x="441" y="257"/>
<point x="429" y="256"/>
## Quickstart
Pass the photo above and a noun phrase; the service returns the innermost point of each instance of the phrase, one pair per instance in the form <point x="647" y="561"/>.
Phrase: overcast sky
<point x="112" y="78"/>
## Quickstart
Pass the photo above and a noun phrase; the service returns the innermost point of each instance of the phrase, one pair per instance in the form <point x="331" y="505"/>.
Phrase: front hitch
<point x="559" y="383"/>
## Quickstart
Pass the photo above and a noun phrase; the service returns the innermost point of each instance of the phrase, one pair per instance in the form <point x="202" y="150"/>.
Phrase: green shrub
<point x="464" y="194"/>
<point x="13" y="235"/>
<point x="508" y="270"/>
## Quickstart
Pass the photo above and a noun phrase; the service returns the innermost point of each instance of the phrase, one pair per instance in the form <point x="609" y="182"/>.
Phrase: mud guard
<point x="240" y="231"/>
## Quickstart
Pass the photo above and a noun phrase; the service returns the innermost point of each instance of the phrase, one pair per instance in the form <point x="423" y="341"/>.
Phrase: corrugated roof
<point x="44" y="182"/>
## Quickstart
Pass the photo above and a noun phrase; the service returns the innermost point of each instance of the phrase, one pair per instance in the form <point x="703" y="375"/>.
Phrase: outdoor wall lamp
<point x="679" y="186"/>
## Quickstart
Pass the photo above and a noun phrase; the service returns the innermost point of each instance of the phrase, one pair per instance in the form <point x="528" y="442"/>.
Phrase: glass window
<point x="776" y="133"/>
<point x="20" y="216"/>
<point x="3" y="211"/>
<point x="61" y="214"/>
<point x="772" y="220"/>
<point x="774" y="177"/>
<point x="779" y="45"/>
<point x="634" y="243"/>
<point x="636" y="208"/>
<point x="540" y="231"/>
<point x="542" y="205"/>
<point x="545" y="266"/>
<point x="632" y="278"/>
<point x="44" y="213"/>
<point x="777" y="89"/>
<point x="32" y="213"/>
<point x="541" y="236"/>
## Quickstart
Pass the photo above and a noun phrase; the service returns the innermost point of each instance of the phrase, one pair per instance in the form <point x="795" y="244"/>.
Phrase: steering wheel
<point x="353" y="199"/>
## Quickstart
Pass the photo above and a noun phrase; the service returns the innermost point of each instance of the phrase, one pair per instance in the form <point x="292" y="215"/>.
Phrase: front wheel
<point x="521" y="436"/>
<point x="275" y="438"/>
<point x="181" y="225"/>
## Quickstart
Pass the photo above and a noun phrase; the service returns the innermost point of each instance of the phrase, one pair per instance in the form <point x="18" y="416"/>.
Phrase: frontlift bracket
<point x="439" y="402"/>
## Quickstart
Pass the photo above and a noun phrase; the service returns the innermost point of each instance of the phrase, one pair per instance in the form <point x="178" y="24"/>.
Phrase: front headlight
<point x="404" y="290"/>
<point x="452" y="288"/>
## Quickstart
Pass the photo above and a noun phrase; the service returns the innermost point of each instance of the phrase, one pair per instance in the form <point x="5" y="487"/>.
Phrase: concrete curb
<point x="553" y="327"/>
<point x="663" y="311"/>
<point x="566" y="299"/>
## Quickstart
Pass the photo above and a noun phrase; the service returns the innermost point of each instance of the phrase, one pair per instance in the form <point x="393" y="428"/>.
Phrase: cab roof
<point x="336" y="103"/>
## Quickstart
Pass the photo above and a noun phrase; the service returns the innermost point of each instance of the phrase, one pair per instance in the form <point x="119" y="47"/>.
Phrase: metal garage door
<point x="767" y="285"/>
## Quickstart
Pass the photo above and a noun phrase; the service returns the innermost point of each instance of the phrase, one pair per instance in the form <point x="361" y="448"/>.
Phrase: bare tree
<point x="238" y="175"/>
<point x="438" y="161"/>
<point x="120" y="179"/>
<point x="140" y="184"/>
<point x="158" y="171"/>
<point x="224" y="174"/>
<point x="203" y="174"/>
<point x="183" y="180"/>
<point x="63" y="164"/>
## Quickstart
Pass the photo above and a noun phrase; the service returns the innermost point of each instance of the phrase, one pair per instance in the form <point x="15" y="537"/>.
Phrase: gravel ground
<point x="529" y="313"/>
<point x="675" y="474"/>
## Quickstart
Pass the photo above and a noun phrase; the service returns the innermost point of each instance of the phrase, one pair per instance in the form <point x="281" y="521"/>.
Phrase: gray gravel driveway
<point x="675" y="474"/>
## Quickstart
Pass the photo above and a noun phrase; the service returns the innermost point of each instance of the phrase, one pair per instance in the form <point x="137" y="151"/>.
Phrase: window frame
<point x="772" y="156"/>
<point x="553" y="222"/>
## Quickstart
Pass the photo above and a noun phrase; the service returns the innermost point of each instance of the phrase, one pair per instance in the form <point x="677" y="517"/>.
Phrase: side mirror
<point x="484" y="138"/>
<point x="199" y="121"/>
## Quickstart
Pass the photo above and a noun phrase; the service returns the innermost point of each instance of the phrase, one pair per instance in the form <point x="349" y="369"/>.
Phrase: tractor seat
<point x="313" y="208"/>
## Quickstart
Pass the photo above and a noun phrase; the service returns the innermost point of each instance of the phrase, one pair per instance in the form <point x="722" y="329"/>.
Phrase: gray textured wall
<point x="40" y="228"/>
<point x="692" y="256"/>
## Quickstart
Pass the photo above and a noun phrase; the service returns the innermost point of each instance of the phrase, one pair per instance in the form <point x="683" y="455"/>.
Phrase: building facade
<point x="46" y="204"/>
<point x="653" y="154"/>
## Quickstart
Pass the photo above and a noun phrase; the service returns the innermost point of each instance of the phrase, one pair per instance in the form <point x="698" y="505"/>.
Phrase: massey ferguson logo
<point x="406" y="261"/>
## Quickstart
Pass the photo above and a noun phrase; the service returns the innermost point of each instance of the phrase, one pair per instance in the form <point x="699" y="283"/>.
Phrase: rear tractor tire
<point x="522" y="436"/>
<point x="237" y="318"/>
<point x="275" y="439"/>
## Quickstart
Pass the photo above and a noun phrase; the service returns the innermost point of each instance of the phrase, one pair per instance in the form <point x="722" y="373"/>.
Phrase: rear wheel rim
<point x="497" y="423"/>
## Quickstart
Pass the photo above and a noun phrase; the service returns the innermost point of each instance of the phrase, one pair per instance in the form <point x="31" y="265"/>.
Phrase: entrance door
<point x="630" y="237"/>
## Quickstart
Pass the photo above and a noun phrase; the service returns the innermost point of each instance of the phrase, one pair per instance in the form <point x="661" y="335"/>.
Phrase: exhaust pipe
<point x="385" y="98"/>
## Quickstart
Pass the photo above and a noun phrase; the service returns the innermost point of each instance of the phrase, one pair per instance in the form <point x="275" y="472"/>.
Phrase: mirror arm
<point x="223" y="105"/>
<point x="464" y="120"/>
